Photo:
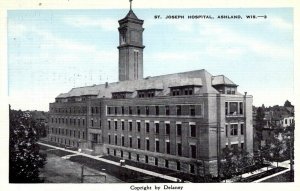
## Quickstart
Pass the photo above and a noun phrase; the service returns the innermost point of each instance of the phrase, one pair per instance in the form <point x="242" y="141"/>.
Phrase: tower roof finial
<point x="130" y="1"/>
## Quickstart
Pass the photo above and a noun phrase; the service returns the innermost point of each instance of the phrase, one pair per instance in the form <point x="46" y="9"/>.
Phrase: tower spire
<point x="130" y="1"/>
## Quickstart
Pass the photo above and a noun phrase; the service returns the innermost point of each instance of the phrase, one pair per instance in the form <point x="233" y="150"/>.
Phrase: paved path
<point x="170" y="178"/>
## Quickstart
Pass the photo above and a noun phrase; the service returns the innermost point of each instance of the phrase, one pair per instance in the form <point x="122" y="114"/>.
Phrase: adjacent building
<point x="177" y="121"/>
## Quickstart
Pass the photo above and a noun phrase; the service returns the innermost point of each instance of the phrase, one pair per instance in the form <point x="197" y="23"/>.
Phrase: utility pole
<point x="218" y="148"/>
<point x="82" y="168"/>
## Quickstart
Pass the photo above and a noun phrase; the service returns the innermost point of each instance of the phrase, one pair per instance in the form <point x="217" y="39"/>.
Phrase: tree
<point x="276" y="147"/>
<point x="24" y="157"/>
<point x="287" y="103"/>
<point x="235" y="162"/>
<point x="259" y="124"/>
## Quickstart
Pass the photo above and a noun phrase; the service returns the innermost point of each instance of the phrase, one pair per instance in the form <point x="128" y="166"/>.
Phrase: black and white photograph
<point x="148" y="95"/>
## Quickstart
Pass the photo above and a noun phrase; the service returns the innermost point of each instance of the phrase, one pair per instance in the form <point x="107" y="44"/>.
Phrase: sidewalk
<point x="170" y="178"/>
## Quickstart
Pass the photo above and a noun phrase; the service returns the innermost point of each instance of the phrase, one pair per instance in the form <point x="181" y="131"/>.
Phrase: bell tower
<point x="130" y="47"/>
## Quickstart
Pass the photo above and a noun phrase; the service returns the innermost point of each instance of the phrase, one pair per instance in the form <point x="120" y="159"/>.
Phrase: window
<point x="147" y="144"/>
<point x="116" y="110"/>
<point x="94" y="138"/>
<point x="107" y="150"/>
<point x="157" y="145"/>
<point x="233" y="108"/>
<point x="157" y="128"/>
<point x="179" y="149"/>
<point x="130" y="142"/>
<point x="192" y="168"/>
<point x="138" y="126"/>
<point x="241" y="107"/>
<point x="137" y="157"/>
<point x="226" y="108"/>
<point x="156" y="161"/>
<point x="147" y="127"/>
<point x="138" y="110"/>
<point x="192" y="110"/>
<point x="92" y="122"/>
<point x="166" y="163"/>
<point x="147" y="110"/>
<point x="129" y="155"/>
<point x="156" y="110"/>
<point x="168" y="147"/>
<point x="130" y="125"/>
<point x="123" y="140"/>
<point x="123" y="110"/>
<point x="242" y="145"/>
<point x="178" y="129"/>
<point x="123" y="125"/>
<point x="242" y="129"/>
<point x="193" y="130"/>
<point x="167" y="108"/>
<point x="233" y="129"/>
<point x="193" y="151"/>
<point x="108" y="124"/>
<point x="130" y="110"/>
<point x="178" y="109"/>
<point x="226" y="130"/>
<point x="138" y="143"/>
<point x="116" y="125"/>
<point x="108" y="110"/>
<point x="115" y="152"/>
<point x="83" y="135"/>
<point x="178" y="165"/>
<point x="121" y="154"/>
<point x="167" y="128"/>
<point x="234" y="146"/>
<point x="116" y="140"/>
<point x="146" y="159"/>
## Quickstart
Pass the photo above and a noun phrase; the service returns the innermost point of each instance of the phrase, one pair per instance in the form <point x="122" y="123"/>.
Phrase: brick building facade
<point x="178" y="121"/>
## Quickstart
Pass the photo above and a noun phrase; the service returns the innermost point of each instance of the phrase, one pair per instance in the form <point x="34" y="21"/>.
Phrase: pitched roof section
<point x="164" y="82"/>
<point x="131" y="17"/>
<point x="222" y="80"/>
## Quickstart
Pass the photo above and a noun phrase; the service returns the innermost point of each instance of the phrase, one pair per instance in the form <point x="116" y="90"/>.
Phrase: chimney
<point x="106" y="84"/>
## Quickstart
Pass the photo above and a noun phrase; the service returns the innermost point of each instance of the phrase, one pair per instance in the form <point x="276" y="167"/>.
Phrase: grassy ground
<point x="58" y="170"/>
<point x="165" y="171"/>
<point x="262" y="175"/>
<point x="121" y="173"/>
<point x="285" y="177"/>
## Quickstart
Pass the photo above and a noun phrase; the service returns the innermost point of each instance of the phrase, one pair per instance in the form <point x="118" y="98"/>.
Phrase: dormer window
<point x="183" y="90"/>
<point x="121" y="95"/>
<point x="147" y="93"/>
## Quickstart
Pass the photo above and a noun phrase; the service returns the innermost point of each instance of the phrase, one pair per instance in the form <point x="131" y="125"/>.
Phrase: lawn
<point x="58" y="170"/>
<point x="119" y="172"/>
<point x="285" y="177"/>
<point x="262" y="175"/>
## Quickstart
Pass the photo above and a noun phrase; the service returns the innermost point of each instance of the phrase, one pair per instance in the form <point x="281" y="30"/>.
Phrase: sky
<point x="52" y="51"/>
